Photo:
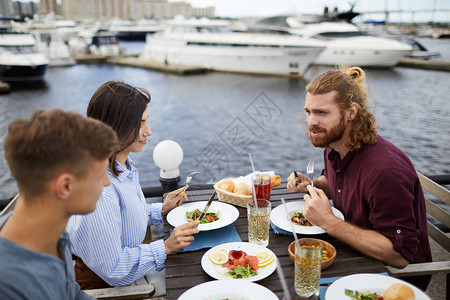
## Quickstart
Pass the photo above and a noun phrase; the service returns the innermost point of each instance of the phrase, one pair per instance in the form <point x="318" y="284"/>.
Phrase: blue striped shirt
<point x="109" y="240"/>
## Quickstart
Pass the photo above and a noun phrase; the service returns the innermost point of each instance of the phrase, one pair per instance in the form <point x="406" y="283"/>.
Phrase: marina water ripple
<point x="219" y="118"/>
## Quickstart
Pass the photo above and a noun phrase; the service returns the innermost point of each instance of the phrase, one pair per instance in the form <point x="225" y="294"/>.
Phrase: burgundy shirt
<point x="377" y="188"/>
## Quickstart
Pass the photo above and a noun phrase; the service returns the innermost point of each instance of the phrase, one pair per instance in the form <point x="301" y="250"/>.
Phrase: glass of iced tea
<point x="258" y="221"/>
<point x="308" y="257"/>
<point x="261" y="186"/>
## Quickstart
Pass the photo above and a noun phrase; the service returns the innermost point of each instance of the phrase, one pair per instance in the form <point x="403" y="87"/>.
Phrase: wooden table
<point x="183" y="270"/>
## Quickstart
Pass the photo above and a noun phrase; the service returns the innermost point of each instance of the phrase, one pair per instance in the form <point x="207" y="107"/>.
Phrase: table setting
<point x="232" y="238"/>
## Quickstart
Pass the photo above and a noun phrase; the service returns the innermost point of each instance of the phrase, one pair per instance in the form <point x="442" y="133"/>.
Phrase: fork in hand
<point x="310" y="171"/>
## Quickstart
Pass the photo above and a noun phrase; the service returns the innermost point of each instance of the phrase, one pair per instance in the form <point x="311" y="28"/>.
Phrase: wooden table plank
<point x="183" y="270"/>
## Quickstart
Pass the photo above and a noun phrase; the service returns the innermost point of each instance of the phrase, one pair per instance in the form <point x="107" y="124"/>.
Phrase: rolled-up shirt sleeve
<point x="392" y="203"/>
<point x="154" y="213"/>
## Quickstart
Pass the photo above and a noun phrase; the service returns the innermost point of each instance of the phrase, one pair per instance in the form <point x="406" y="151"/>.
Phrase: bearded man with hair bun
<point x="371" y="181"/>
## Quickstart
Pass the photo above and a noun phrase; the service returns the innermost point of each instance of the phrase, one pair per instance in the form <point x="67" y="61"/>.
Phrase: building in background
<point x="6" y="8"/>
<point x="25" y="9"/>
<point x="122" y="9"/>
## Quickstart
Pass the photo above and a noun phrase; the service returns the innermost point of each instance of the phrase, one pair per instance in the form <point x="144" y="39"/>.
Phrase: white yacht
<point x="50" y="42"/>
<point x="129" y="30"/>
<point x="344" y="42"/>
<point x="210" y="44"/>
<point x="95" y="41"/>
<point x="20" y="60"/>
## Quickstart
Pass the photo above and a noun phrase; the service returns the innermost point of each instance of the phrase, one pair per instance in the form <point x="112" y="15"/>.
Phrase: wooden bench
<point x="435" y="233"/>
<point x="142" y="291"/>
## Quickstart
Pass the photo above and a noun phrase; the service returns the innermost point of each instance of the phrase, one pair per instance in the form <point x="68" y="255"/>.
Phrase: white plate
<point x="249" y="248"/>
<point x="279" y="218"/>
<point x="227" y="214"/>
<point x="373" y="283"/>
<point x="227" y="289"/>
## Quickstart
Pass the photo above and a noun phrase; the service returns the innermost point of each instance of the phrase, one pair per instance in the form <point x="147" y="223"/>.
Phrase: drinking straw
<point x="253" y="186"/>
<point x="292" y="226"/>
<point x="287" y="296"/>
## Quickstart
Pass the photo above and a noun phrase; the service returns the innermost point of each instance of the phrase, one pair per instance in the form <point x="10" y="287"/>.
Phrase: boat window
<point x="20" y="49"/>
<point x="334" y="34"/>
<point x="104" y="40"/>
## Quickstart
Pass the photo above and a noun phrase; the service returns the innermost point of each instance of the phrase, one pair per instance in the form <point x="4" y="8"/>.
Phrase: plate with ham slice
<point x="243" y="254"/>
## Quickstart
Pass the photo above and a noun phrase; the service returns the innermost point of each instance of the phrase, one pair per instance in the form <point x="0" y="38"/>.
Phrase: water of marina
<point x="219" y="118"/>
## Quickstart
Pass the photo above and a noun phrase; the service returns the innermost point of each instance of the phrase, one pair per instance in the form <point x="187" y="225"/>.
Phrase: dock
<point x="90" y="59"/>
<point x="438" y="65"/>
<point x="156" y="66"/>
<point x="4" y="87"/>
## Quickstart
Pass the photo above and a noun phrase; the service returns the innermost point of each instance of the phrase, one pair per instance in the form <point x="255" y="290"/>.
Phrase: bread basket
<point x="232" y="198"/>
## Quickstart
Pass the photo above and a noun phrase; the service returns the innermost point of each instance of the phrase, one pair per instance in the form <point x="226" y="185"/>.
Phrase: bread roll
<point x="275" y="181"/>
<point x="242" y="189"/>
<point x="398" y="291"/>
<point x="227" y="185"/>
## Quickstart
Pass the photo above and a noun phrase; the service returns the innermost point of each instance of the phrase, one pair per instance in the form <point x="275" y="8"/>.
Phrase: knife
<point x="206" y="207"/>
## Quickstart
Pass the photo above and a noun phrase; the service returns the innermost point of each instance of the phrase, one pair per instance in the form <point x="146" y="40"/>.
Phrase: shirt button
<point x="339" y="190"/>
<point x="399" y="231"/>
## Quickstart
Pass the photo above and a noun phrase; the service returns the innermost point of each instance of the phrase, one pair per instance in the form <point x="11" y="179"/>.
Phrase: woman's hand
<point x="181" y="237"/>
<point x="174" y="198"/>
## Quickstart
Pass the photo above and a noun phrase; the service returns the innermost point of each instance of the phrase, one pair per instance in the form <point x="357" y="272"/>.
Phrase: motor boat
<point x="66" y="29"/>
<point x="95" y="41"/>
<point x="345" y="43"/>
<point x="20" y="60"/>
<point x="211" y="44"/>
<point x="129" y="30"/>
<point x="50" y="42"/>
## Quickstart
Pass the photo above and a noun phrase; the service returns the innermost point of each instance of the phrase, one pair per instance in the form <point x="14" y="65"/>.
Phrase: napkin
<point x="248" y="178"/>
<point x="212" y="238"/>
<point x="278" y="230"/>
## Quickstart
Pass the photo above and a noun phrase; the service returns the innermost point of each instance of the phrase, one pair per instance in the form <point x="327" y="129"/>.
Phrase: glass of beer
<point x="258" y="221"/>
<point x="261" y="186"/>
<point x="308" y="256"/>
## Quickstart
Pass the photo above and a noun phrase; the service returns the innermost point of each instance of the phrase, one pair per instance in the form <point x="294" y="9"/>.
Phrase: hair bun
<point x="356" y="73"/>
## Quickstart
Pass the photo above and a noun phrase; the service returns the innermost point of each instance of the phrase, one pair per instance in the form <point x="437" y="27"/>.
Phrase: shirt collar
<point x="338" y="164"/>
<point x="126" y="172"/>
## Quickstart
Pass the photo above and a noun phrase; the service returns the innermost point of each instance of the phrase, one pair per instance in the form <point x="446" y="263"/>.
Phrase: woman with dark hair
<point x="108" y="243"/>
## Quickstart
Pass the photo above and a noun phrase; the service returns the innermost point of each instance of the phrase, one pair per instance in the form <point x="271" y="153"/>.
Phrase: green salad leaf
<point x="361" y="296"/>
<point x="241" y="272"/>
<point x="196" y="213"/>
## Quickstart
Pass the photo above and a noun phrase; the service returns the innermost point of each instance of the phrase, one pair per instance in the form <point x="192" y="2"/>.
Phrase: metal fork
<point x="310" y="171"/>
<point x="188" y="180"/>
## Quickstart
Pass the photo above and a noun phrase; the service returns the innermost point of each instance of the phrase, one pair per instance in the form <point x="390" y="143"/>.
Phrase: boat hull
<point x="15" y="73"/>
<point x="275" y="61"/>
<point x="364" y="52"/>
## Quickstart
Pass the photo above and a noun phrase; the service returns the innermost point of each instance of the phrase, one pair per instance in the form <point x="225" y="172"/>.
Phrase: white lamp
<point x="168" y="156"/>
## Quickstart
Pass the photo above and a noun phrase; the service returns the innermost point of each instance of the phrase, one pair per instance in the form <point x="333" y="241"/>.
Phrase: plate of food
<point x="239" y="261"/>
<point x="295" y="216"/>
<point x="218" y="215"/>
<point x="227" y="289"/>
<point x="365" y="286"/>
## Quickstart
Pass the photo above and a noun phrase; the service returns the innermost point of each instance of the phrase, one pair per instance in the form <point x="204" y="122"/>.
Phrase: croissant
<point x="275" y="181"/>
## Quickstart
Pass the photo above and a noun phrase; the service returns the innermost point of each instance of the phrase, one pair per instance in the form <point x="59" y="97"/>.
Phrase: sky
<point x="245" y="8"/>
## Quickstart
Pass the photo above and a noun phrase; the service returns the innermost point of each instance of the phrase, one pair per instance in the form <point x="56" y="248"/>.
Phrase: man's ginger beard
<point x="328" y="136"/>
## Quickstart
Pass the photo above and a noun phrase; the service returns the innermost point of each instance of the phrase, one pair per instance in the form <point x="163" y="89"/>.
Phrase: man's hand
<point x="173" y="199"/>
<point x="298" y="184"/>
<point x="181" y="237"/>
<point x="317" y="207"/>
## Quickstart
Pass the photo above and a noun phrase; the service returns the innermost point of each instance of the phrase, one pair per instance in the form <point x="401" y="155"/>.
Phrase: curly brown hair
<point x="349" y="82"/>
